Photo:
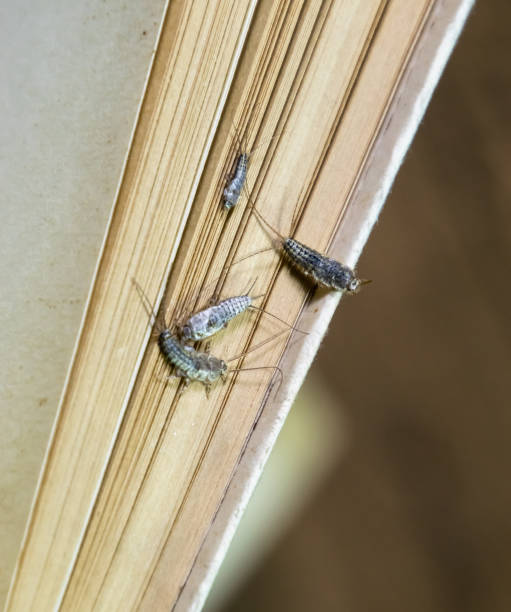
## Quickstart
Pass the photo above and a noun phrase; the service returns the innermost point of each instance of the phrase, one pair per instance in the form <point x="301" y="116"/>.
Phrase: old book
<point x="143" y="484"/>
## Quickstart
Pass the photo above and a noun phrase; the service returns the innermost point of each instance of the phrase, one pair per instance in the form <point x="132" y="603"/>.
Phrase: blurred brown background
<point x="416" y="514"/>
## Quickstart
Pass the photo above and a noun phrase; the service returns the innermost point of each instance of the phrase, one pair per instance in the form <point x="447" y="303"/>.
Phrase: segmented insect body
<point x="207" y="322"/>
<point x="189" y="363"/>
<point x="325" y="271"/>
<point x="192" y="365"/>
<point x="233" y="188"/>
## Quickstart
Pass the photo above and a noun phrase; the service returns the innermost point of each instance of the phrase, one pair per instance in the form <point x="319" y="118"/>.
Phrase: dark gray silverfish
<point x="324" y="271"/>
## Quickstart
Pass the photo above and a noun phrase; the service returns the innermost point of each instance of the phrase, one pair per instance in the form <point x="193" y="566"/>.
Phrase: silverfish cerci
<point x="323" y="270"/>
